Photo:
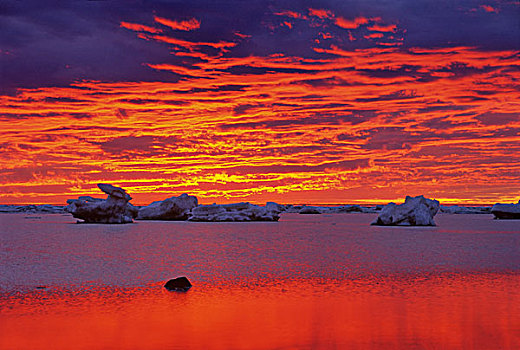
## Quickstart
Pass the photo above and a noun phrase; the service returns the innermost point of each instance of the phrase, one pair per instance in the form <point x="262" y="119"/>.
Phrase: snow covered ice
<point x="415" y="211"/>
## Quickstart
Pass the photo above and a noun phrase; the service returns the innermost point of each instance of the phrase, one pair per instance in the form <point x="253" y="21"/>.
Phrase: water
<point x="306" y="282"/>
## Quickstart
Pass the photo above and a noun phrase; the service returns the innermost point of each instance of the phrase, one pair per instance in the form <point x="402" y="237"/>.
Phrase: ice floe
<point x="116" y="209"/>
<point x="415" y="211"/>
<point x="455" y="209"/>
<point x="309" y="209"/>
<point x="173" y="208"/>
<point x="506" y="211"/>
<point x="32" y="208"/>
<point x="236" y="212"/>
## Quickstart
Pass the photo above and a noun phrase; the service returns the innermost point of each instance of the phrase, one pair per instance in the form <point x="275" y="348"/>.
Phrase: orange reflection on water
<point x="435" y="312"/>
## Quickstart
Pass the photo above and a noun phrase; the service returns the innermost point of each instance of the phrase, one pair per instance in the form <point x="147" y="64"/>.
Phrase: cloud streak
<point x="186" y="25"/>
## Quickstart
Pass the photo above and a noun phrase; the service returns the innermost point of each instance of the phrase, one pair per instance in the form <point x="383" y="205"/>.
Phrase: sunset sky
<point x="290" y="101"/>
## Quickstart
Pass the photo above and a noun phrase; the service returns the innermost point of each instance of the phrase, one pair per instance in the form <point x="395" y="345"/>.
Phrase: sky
<point x="317" y="102"/>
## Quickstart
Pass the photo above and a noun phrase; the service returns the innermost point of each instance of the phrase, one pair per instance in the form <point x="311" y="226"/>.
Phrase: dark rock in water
<point x="180" y="284"/>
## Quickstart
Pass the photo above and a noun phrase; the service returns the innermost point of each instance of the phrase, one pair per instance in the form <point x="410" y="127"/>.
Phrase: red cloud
<point x="190" y="24"/>
<point x="321" y="13"/>
<point x="347" y="24"/>
<point x="291" y="14"/>
<point x="374" y="36"/>
<point x="380" y="28"/>
<point x="189" y="44"/>
<point x="139" y="27"/>
<point x="243" y="36"/>
<point x="488" y="8"/>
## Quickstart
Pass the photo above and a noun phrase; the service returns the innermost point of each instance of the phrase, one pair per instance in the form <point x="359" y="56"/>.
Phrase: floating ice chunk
<point x="114" y="210"/>
<point x="174" y="208"/>
<point x="506" y="211"/>
<point x="236" y="212"/>
<point x="415" y="211"/>
<point x="311" y="210"/>
<point x="115" y="192"/>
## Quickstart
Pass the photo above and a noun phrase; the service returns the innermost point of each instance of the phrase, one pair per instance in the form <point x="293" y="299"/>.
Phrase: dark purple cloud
<point x="53" y="43"/>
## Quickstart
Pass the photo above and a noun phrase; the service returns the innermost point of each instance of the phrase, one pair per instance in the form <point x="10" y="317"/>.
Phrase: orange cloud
<point x="360" y="125"/>
<point x="190" y="24"/>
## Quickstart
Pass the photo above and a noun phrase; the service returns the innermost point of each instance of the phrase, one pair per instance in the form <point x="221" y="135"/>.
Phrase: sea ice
<point x="174" y="208"/>
<point x="116" y="209"/>
<point x="415" y="211"/>
<point x="311" y="210"/>
<point x="31" y="208"/>
<point x="307" y="209"/>
<point x="506" y="211"/>
<point x="236" y="212"/>
<point x="455" y="209"/>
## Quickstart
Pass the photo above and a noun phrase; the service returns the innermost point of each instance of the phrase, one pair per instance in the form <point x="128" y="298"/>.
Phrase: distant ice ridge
<point x="415" y="211"/>
<point x="174" y="209"/>
<point x="116" y="209"/>
<point x="455" y="209"/>
<point x="237" y="212"/>
<point x="308" y="209"/>
<point x="506" y="211"/>
<point x="43" y="208"/>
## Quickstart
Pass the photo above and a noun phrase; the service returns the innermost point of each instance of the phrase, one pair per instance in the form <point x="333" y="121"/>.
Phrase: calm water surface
<point x="306" y="282"/>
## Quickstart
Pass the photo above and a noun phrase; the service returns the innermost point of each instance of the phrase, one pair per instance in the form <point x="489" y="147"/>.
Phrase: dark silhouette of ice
<point x="506" y="211"/>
